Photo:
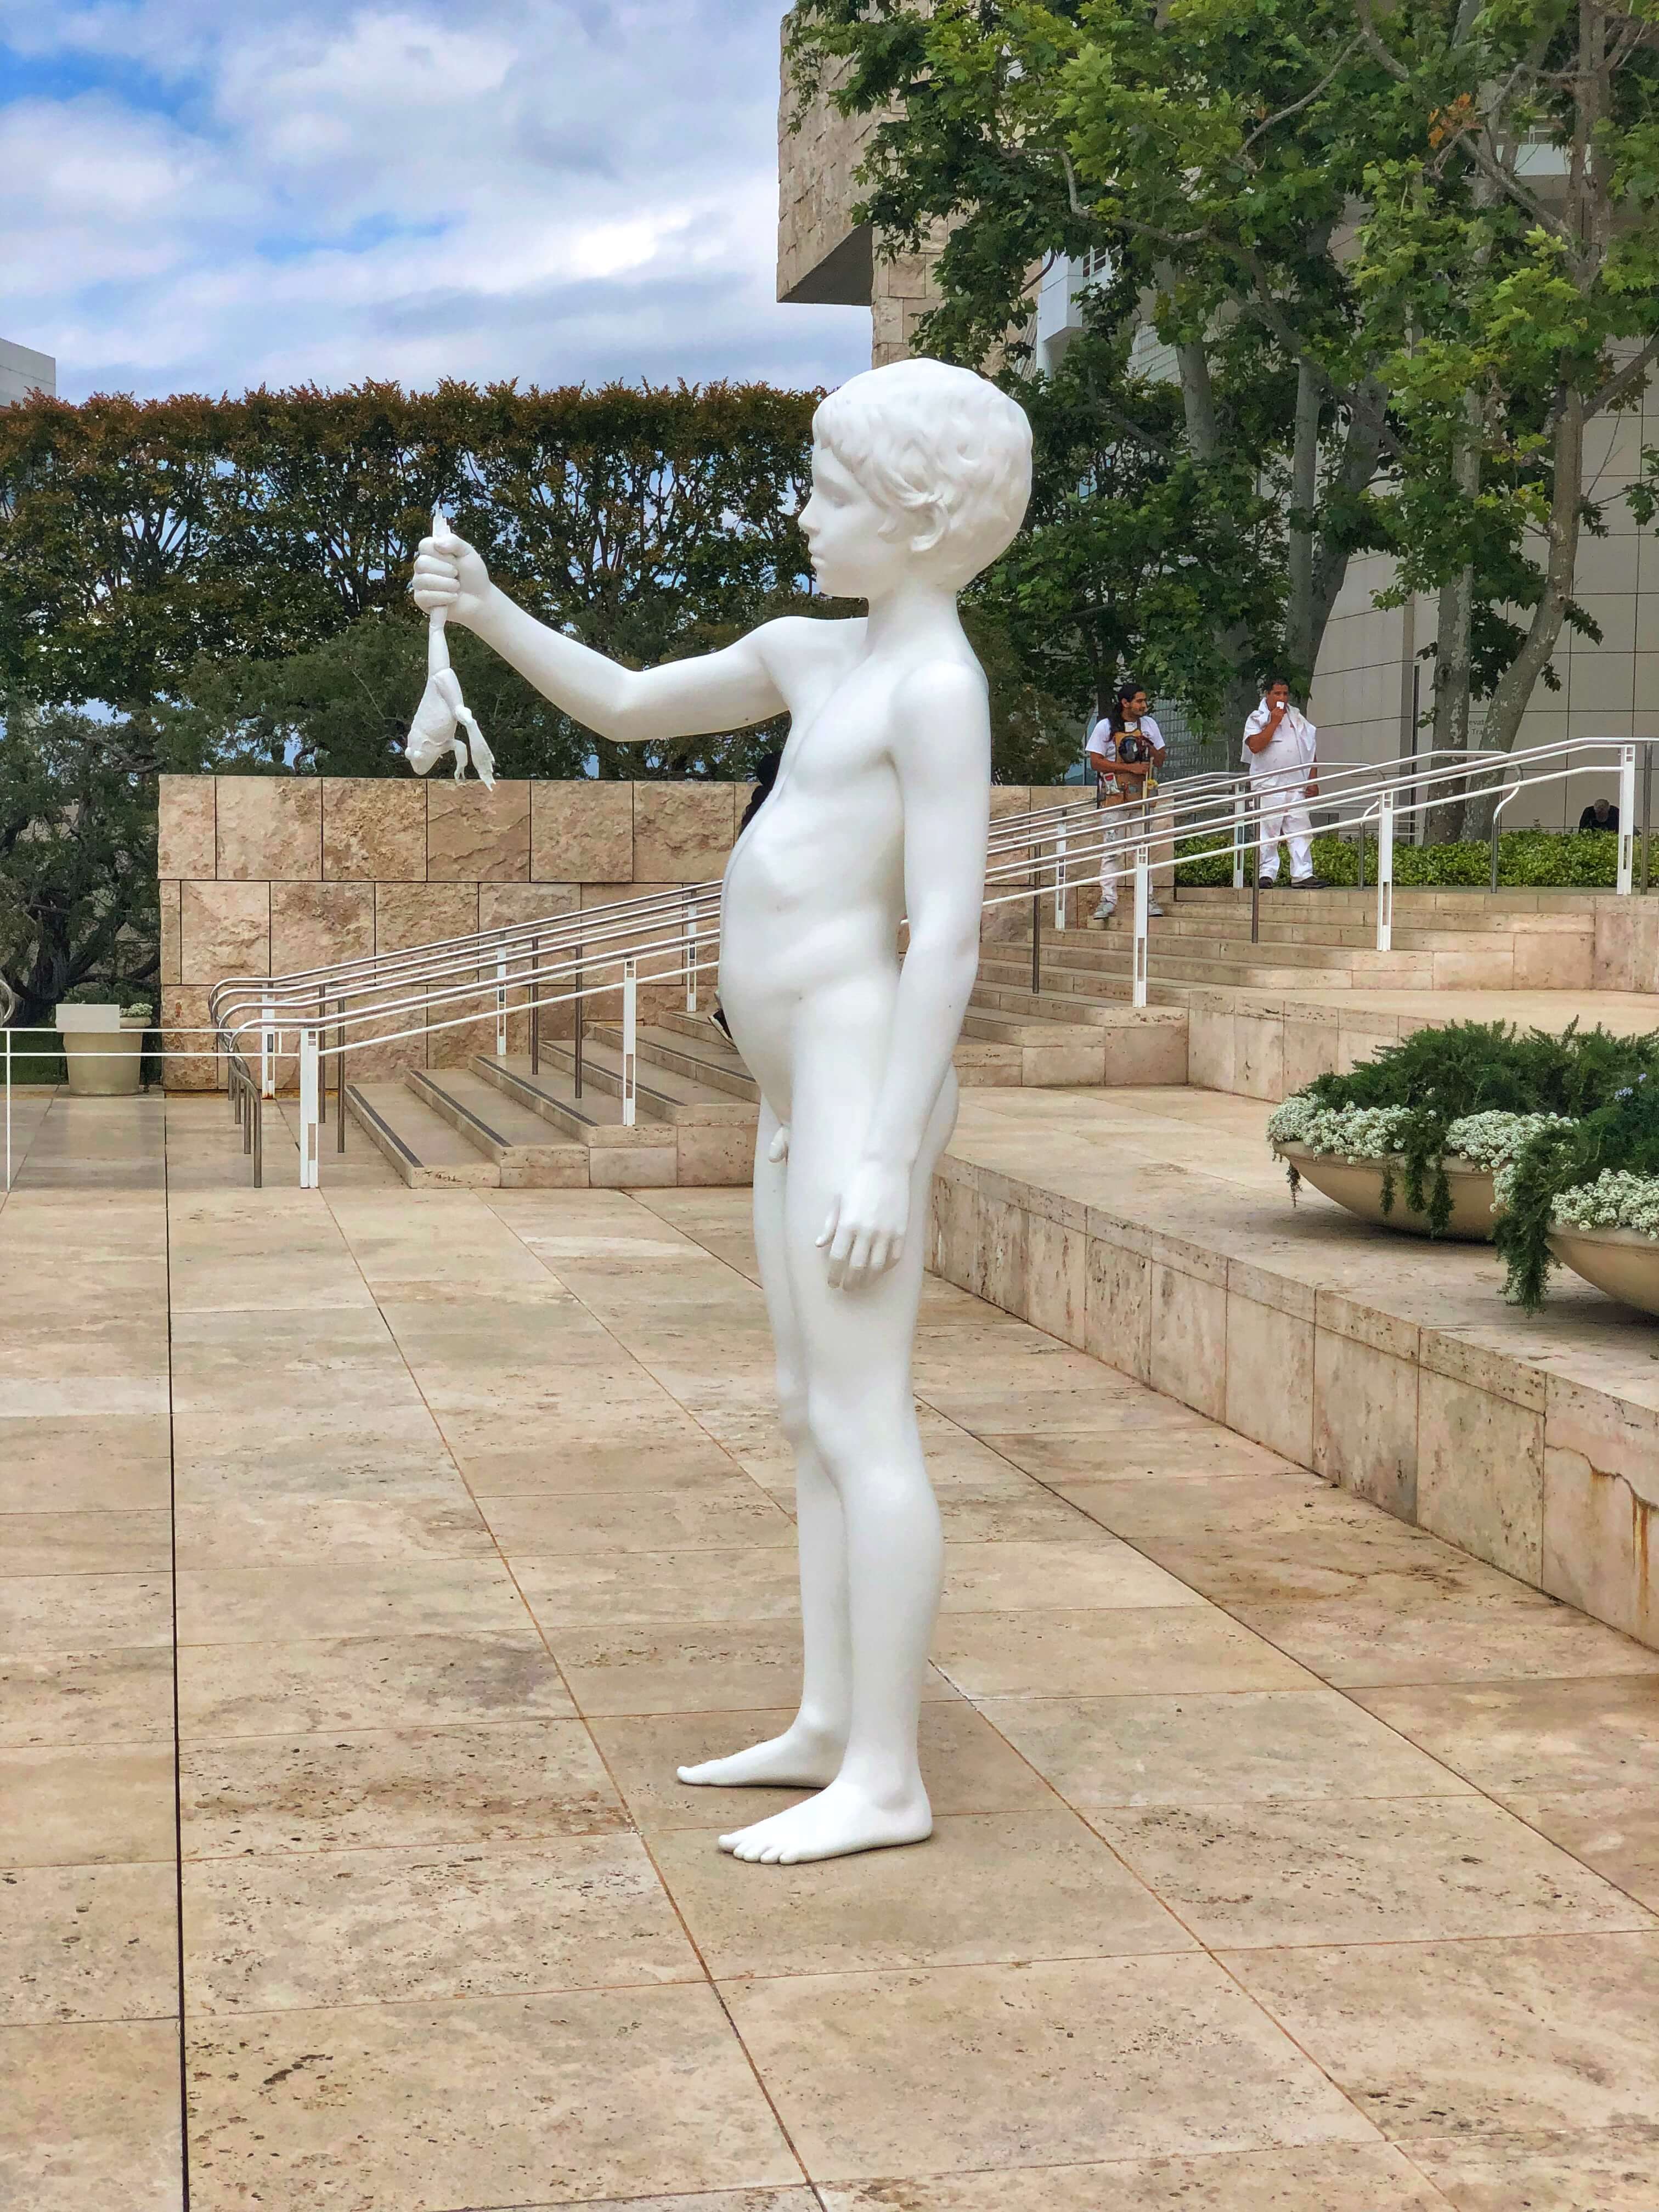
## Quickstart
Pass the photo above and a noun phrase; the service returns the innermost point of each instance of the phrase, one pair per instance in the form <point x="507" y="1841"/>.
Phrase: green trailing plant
<point x="1528" y="859"/>
<point x="1439" y="1093"/>
<point x="1618" y="1139"/>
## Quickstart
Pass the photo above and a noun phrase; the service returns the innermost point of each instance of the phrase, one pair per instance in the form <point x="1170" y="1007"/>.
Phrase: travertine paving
<point x="370" y="1560"/>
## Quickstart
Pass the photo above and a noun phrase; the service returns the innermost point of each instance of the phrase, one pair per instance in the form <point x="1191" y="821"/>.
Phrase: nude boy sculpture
<point x="921" y="476"/>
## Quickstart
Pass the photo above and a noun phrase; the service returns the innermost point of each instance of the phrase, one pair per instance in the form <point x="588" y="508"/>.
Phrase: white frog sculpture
<point x="443" y="713"/>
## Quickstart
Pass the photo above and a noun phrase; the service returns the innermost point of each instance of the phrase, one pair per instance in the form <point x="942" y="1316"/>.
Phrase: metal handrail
<point x="571" y="959"/>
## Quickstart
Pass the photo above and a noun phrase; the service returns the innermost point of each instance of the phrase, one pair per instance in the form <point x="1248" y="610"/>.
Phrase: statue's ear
<point x="929" y="528"/>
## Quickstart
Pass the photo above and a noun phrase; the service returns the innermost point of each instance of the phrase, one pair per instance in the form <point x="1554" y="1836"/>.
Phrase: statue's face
<point x="857" y="554"/>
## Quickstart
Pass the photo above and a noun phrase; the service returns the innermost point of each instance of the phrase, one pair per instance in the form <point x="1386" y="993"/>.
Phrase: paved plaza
<point x="371" y="1558"/>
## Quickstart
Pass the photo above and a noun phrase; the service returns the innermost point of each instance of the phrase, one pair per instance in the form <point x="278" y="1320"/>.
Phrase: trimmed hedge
<point x="1542" y="859"/>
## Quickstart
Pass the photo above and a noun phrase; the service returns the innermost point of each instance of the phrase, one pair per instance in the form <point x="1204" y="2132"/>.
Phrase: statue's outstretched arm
<point x="724" y="691"/>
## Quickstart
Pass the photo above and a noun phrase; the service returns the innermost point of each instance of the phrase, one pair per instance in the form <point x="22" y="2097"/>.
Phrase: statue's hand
<point x="449" y="574"/>
<point x="865" y="1229"/>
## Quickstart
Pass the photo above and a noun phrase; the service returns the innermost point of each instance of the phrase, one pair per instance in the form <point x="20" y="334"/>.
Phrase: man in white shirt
<point x="1279" y="751"/>
<point x="1126" y="749"/>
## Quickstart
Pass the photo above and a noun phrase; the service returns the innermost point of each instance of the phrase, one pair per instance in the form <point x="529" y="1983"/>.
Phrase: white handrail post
<point x="9" y="1106"/>
<point x="1143" y="894"/>
<point x="501" y="1005"/>
<point x="1385" y="873"/>
<point x="308" y="1103"/>
<point x="1060" y="877"/>
<point x="692" y="954"/>
<point x="630" y="991"/>
<point x="1627" y="815"/>
<point x="1238" y="841"/>
<point x="267" y="1052"/>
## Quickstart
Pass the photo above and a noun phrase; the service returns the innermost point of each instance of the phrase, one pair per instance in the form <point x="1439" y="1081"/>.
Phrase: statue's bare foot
<point x="802" y="1758"/>
<point x="841" y="1819"/>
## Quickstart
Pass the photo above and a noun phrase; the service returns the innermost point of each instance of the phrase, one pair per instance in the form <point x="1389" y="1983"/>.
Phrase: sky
<point x="210" y="195"/>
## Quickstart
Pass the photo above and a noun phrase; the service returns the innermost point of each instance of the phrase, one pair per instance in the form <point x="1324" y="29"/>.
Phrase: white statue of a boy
<point x="921" y="476"/>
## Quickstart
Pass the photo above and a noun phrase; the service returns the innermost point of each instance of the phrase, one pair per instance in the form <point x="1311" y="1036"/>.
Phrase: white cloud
<point x="203" y="197"/>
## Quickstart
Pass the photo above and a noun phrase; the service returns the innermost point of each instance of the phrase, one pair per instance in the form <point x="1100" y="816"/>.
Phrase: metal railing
<point x="316" y="1020"/>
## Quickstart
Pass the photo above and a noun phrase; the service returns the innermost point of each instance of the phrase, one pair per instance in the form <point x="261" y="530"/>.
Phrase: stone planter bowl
<point x="1617" y="1261"/>
<point x="1357" y="1185"/>
<point x="103" y="1052"/>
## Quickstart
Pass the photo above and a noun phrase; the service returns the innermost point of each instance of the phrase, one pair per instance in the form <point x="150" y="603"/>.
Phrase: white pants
<point x="1284" y="818"/>
<point x="1131" y="821"/>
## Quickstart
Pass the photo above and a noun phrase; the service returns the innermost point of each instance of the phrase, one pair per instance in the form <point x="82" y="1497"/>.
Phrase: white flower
<point x="1492" y="1140"/>
<point x="1616" y="1199"/>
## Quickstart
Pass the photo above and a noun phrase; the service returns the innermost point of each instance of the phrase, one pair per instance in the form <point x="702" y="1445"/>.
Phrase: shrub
<point x="1620" y="1138"/>
<point x="1540" y="859"/>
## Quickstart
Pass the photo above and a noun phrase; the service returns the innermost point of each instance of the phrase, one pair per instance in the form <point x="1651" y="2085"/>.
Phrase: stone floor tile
<point x="396" y="1455"/>
<point x="84" y="1464"/>
<point x="287" y="1604"/>
<point x="78" y="1697"/>
<point x="946" y="2068"/>
<point x="689" y="1667"/>
<point x="1612" y="2170"/>
<point x="84" y="1613"/>
<point x="270" y="1935"/>
<point x="722" y="2200"/>
<point x="540" y="1461"/>
<point x="89" y="1943"/>
<point x="1261" y="1540"/>
<point x="1615" y="1830"/>
<point x="738" y="1515"/>
<point x="282" y="1531"/>
<point x="1239" y="1748"/>
<point x="1088" y="1571"/>
<point x="1175" y="1447"/>
<point x="400" y="1789"/>
<point x="81" y="1543"/>
<point x="86" y="1806"/>
<point x="494" y="2101"/>
<point x="1360" y="1871"/>
<point x="1534" y="1738"/>
<point x="948" y="1903"/>
<point x="1032" y="1516"/>
<point x="89" y="2116"/>
<point x="367" y="1682"/>
<point x="1106" y="1652"/>
<point x="1556" y="2031"/>
<point x="1470" y="1625"/>
<point x="1329" y="2178"/>
<point x="590" y="1590"/>
<point x="967" y="1765"/>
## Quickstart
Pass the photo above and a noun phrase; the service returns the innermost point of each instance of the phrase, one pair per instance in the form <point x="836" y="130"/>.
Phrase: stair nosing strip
<point x="424" y="1082"/>
<point x="374" y="1115"/>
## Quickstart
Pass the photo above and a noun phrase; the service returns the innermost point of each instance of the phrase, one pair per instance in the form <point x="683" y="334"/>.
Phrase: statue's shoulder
<point x="798" y="641"/>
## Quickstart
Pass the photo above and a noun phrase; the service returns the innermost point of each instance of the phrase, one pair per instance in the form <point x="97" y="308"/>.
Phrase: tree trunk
<point x="1454" y="631"/>
<point x="1301" y="647"/>
<point x="1514" y="688"/>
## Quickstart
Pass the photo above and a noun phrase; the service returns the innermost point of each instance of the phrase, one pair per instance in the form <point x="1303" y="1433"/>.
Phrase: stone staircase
<point x="495" y="1124"/>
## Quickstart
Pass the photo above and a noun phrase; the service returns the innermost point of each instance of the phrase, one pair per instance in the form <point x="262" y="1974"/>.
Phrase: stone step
<point x="530" y="1153"/>
<point x="424" y="1149"/>
<point x="706" y="1141"/>
<point x="1068" y="975"/>
<point x="1114" y="1043"/>
<point x="689" y="1045"/>
<point x="660" y="1093"/>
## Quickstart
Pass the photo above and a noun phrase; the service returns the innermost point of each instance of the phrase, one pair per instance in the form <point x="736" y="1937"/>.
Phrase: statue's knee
<point x="794" y="1413"/>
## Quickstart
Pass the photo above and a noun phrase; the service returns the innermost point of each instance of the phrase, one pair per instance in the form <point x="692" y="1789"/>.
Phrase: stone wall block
<point x="374" y="828"/>
<point x="474" y="835"/>
<point x="269" y="828"/>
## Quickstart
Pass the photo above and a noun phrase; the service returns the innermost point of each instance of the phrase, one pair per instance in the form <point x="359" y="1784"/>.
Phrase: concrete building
<point x="22" y="370"/>
<point x="1368" y="671"/>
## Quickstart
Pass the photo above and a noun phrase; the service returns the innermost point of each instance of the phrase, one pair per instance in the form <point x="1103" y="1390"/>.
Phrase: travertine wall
<point x="265" y="875"/>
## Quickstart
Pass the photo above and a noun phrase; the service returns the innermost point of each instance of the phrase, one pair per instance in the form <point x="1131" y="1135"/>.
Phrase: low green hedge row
<point x="1532" y="859"/>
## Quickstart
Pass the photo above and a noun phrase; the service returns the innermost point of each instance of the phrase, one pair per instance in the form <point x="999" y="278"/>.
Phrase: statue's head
<point x="916" y="465"/>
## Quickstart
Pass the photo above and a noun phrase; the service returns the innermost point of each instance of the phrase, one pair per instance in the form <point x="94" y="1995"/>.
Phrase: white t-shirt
<point x="1101" y="744"/>
<point x="1290" y="753"/>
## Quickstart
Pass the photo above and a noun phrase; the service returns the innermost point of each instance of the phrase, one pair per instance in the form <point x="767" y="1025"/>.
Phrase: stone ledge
<point x="1390" y="1367"/>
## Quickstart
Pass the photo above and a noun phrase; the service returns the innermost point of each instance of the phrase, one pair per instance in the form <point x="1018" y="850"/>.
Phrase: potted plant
<point x="103" y="1048"/>
<point x="1414" y="1139"/>
<point x="1587" y="1197"/>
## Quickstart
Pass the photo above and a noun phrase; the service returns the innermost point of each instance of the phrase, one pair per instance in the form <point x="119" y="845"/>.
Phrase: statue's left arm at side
<point x="722" y="690"/>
